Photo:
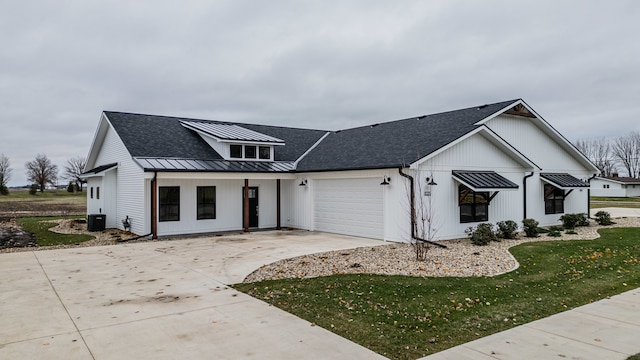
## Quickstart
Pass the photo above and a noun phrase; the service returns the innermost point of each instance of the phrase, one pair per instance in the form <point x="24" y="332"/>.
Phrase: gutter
<point x="412" y="202"/>
<point x="524" y="188"/>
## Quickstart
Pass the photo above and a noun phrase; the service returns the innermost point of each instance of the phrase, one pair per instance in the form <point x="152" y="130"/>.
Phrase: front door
<point x="253" y="207"/>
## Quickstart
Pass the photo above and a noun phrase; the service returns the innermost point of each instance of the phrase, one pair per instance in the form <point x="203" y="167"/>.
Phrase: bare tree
<point x="41" y="171"/>
<point x="422" y="213"/>
<point x="73" y="169"/>
<point x="600" y="152"/>
<point x="5" y="174"/>
<point x="627" y="150"/>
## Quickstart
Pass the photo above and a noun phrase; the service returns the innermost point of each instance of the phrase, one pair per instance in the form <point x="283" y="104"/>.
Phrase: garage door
<point x="349" y="206"/>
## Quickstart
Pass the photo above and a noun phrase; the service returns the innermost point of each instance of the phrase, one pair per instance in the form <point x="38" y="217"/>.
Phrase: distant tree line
<point x="611" y="155"/>
<point x="42" y="172"/>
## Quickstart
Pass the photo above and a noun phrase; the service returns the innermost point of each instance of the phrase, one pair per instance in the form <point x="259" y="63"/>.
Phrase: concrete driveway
<point x="160" y="300"/>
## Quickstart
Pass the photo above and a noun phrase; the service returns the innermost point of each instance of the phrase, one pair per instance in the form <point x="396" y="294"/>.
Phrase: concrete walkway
<point x="160" y="300"/>
<point x="607" y="329"/>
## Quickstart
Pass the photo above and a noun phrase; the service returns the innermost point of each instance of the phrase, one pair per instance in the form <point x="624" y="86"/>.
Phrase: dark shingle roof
<point x="391" y="144"/>
<point x="163" y="136"/>
<point x="395" y="143"/>
<point x="100" y="169"/>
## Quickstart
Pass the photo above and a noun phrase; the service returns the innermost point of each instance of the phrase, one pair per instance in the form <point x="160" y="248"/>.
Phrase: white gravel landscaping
<point x="460" y="258"/>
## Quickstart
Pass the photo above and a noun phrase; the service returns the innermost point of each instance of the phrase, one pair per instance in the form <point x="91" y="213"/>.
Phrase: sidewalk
<point x="607" y="329"/>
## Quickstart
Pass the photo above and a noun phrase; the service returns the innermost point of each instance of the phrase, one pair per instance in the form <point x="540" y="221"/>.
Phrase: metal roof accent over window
<point x="231" y="132"/>
<point x="99" y="169"/>
<point x="193" y="165"/>
<point x="563" y="180"/>
<point x="477" y="180"/>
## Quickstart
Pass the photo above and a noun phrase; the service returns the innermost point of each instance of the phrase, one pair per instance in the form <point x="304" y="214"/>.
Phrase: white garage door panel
<point x="349" y="206"/>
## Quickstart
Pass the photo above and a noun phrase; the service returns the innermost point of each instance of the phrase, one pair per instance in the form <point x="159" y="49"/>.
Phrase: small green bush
<point x="33" y="189"/>
<point x="554" y="231"/>
<point x="4" y="190"/>
<point x="507" y="229"/>
<point x="570" y="221"/>
<point x="603" y="218"/>
<point x="583" y="219"/>
<point x="530" y="227"/>
<point x="482" y="234"/>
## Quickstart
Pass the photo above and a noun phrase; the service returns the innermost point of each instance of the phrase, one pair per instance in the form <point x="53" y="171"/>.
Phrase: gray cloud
<point x="310" y="64"/>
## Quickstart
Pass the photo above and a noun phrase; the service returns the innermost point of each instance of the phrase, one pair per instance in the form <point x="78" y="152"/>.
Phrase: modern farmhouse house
<point x="163" y="176"/>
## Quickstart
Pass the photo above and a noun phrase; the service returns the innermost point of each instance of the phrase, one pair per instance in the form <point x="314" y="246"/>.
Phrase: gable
<point x="396" y="143"/>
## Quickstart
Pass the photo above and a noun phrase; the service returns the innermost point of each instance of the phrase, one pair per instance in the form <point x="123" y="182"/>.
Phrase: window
<point x="98" y="192"/>
<point x="474" y="206"/>
<point x="235" y="151"/>
<point x="206" y="202"/>
<point x="553" y="200"/>
<point x="249" y="152"/>
<point x="169" y="203"/>
<point x="92" y="192"/>
<point x="265" y="152"/>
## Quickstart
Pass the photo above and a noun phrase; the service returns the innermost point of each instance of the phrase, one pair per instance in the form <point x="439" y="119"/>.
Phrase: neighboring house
<point x="174" y="176"/>
<point x="615" y="186"/>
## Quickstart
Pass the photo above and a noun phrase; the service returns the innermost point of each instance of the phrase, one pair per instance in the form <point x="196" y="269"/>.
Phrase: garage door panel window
<point x="206" y="202"/>
<point x="169" y="203"/>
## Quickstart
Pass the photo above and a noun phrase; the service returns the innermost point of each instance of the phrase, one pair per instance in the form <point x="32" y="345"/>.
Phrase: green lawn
<point x="601" y="202"/>
<point x="48" y="201"/>
<point x="409" y="317"/>
<point x="39" y="227"/>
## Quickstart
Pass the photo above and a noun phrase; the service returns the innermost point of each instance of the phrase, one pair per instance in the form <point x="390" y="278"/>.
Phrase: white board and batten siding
<point x="474" y="153"/>
<point x="129" y="189"/>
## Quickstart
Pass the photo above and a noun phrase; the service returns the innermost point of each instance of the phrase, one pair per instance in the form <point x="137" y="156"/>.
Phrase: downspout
<point x="524" y="195"/>
<point x="589" y="195"/>
<point x="412" y="202"/>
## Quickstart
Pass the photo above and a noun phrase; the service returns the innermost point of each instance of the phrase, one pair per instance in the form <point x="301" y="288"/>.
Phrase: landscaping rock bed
<point x="460" y="258"/>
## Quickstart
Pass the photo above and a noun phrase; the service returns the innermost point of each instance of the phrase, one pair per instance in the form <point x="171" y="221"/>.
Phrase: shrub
<point x="583" y="219"/>
<point x="530" y="227"/>
<point x="482" y="234"/>
<point x="507" y="229"/>
<point x="555" y="231"/>
<point x="569" y="221"/>
<point x="4" y="190"/>
<point x="33" y="189"/>
<point x="71" y="187"/>
<point x="603" y="218"/>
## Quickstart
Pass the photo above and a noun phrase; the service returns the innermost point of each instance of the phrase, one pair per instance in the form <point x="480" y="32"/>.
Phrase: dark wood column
<point x="245" y="206"/>
<point x="278" y="227"/>
<point x="154" y="207"/>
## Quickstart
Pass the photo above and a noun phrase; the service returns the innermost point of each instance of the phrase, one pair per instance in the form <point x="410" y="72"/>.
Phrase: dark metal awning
<point x="477" y="180"/>
<point x="563" y="180"/>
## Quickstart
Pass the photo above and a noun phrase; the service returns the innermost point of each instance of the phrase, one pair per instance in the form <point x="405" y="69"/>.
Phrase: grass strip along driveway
<point x="39" y="228"/>
<point x="409" y="317"/>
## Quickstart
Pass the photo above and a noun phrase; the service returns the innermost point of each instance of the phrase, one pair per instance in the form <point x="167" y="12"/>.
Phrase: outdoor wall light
<point x="385" y="180"/>
<point x="303" y="182"/>
<point x="430" y="181"/>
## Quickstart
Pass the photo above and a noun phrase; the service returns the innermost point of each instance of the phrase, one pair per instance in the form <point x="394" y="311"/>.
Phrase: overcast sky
<point x="312" y="64"/>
